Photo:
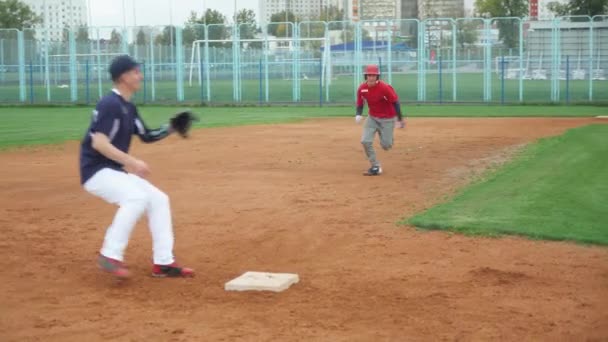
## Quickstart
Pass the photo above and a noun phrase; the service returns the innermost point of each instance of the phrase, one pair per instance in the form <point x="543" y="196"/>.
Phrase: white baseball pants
<point x="133" y="195"/>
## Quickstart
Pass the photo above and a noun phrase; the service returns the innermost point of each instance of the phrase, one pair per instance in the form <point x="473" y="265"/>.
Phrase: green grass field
<point x="469" y="88"/>
<point x="556" y="189"/>
<point x="41" y="125"/>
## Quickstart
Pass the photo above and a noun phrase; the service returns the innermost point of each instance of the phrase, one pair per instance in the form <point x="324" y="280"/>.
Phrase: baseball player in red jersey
<point x="383" y="107"/>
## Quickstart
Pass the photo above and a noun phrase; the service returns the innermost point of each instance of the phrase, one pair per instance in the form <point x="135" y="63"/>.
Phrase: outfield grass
<point x="439" y="88"/>
<point x="556" y="189"/>
<point x="42" y="125"/>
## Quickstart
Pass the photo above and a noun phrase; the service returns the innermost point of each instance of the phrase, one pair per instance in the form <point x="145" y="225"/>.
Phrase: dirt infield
<point x="291" y="198"/>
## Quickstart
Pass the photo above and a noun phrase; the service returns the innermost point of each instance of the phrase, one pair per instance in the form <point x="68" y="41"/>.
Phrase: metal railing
<point x="435" y="60"/>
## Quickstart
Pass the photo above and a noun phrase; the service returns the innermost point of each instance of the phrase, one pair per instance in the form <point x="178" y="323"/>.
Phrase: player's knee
<point x="366" y="143"/>
<point x="136" y="200"/>
<point x="162" y="197"/>
<point x="387" y="147"/>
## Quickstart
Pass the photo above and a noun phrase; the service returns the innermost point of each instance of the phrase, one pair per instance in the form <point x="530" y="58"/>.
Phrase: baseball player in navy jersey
<point x="108" y="171"/>
<point x="383" y="106"/>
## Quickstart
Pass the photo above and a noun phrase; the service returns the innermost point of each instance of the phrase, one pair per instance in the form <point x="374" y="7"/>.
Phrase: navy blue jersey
<point x="118" y="120"/>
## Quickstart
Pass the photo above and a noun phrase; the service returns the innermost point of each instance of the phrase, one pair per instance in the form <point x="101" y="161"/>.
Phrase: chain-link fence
<point x="437" y="60"/>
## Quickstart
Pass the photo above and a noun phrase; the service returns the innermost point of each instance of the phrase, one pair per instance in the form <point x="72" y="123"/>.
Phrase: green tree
<point x="579" y="7"/>
<point x="194" y="30"/>
<point x="191" y="29"/>
<point x="334" y="16"/>
<point x="115" y="38"/>
<point x="29" y="34"/>
<point x="248" y="27"/>
<point x="82" y="34"/>
<point x="312" y="30"/>
<point x="467" y="32"/>
<point x="279" y="30"/>
<point x="167" y="37"/>
<point x="141" y="39"/>
<point x="15" y="14"/>
<point x="508" y="28"/>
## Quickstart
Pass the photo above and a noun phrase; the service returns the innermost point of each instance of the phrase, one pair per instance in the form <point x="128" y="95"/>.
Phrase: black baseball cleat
<point x="173" y="270"/>
<point x="373" y="171"/>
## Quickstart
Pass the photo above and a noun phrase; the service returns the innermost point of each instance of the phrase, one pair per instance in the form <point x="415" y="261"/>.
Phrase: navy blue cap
<point x="120" y="65"/>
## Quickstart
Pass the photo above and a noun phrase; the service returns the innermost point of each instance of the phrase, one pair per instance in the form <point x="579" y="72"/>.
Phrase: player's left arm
<point x="393" y="98"/>
<point x="148" y="135"/>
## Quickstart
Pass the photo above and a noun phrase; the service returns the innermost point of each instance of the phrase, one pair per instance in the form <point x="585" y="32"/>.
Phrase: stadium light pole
<point x="235" y="12"/>
<point x="134" y="14"/>
<point x="124" y="15"/>
<point x="286" y="17"/>
<point x="90" y="18"/>
<point x="71" y="15"/>
<point x="170" y="12"/>
<point x="171" y="29"/>
<point x="46" y="15"/>
<point x="204" y="12"/>
<point x="47" y="77"/>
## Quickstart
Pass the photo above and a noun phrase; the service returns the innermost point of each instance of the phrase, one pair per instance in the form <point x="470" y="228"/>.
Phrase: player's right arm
<point x="360" y="103"/>
<point x="105" y="125"/>
<point x="101" y="143"/>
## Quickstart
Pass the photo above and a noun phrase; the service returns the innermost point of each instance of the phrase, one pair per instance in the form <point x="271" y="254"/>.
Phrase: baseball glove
<point x="182" y="122"/>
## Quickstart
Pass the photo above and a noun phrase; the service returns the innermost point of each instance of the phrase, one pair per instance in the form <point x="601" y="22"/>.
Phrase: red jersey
<point x="380" y="99"/>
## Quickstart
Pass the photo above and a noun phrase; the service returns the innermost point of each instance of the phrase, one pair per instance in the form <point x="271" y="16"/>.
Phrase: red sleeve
<point x="359" y="97"/>
<point x="391" y="95"/>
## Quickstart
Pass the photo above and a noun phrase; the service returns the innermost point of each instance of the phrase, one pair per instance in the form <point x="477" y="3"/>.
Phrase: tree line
<point x="16" y="14"/>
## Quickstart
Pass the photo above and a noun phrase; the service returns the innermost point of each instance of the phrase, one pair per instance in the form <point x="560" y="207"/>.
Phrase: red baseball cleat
<point x="113" y="266"/>
<point x="172" y="270"/>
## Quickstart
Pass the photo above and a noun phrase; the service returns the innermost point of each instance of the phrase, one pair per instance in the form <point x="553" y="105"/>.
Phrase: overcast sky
<point x="157" y="12"/>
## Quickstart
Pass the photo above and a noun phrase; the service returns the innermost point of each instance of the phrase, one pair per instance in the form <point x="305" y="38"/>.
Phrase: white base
<point x="262" y="281"/>
<point x="602" y="117"/>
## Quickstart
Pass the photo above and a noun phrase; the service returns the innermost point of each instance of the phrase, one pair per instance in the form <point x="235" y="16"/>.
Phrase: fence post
<point x="357" y="59"/>
<point x="295" y="57"/>
<point x="124" y="41"/>
<point x="591" y="59"/>
<point x="201" y="66"/>
<point x="389" y="57"/>
<point x="502" y="79"/>
<point x="31" y="82"/>
<point x="454" y="95"/>
<point x="235" y="77"/>
<point x="179" y="63"/>
<point x="87" y="86"/>
<point x="421" y="58"/>
<point x="152" y="76"/>
<point x="521" y="62"/>
<point x="555" y="67"/>
<point x="207" y="64"/>
<point x="47" y="71"/>
<point x="2" y="77"/>
<point x="73" y="67"/>
<point x="320" y="82"/>
<point x="487" y="69"/>
<point x="568" y="79"/>
<point x="260" y="83"/>
<point x="21" y="54"/>
<point x="143" y="68"/>
<point x="266" y="71"/>
<point x="440" y="78"/>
